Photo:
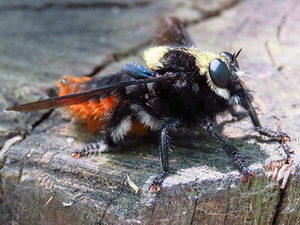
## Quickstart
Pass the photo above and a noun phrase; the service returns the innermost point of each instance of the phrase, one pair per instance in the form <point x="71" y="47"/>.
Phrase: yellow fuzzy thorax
<point x="153" y="56"/>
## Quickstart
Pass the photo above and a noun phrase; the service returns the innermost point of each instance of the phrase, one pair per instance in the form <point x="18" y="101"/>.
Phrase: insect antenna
<point x="235" y="55"/>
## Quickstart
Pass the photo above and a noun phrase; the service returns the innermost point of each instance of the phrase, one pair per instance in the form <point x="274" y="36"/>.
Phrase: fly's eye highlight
<point x="219" y="73"/>
<point x="230" y="59"/>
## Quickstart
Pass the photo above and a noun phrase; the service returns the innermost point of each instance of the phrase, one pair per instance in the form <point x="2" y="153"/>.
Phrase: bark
<point x="40" y="183"/>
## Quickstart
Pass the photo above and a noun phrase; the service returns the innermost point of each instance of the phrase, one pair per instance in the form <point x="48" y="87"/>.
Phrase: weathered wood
<point x="42" y="184"/>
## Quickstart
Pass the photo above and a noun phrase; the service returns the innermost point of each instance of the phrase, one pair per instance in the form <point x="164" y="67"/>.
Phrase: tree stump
<point x="40" y="183"/>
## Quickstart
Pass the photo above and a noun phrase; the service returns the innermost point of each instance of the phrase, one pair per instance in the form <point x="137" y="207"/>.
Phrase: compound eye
<point x="219" y="73"/>
<point x="228" y="57"/>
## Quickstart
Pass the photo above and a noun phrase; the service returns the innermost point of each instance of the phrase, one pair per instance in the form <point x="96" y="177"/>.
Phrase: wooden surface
<point x="42" y="184"/>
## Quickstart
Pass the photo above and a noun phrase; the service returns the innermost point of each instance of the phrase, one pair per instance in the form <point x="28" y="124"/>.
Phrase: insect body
<point x="182" y="86"/>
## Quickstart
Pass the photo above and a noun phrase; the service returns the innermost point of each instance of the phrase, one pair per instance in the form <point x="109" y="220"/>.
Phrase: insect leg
<point x="91" y="149"/>
<point x="239" y="159"/>
<point x="274" y="135"/>
<point x="164" y="155"/>
<point x="116" y="127"/>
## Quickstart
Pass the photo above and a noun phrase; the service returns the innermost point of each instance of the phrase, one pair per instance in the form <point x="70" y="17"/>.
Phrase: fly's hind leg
<point x="115" y="130"/>
<point x="92" y="148"/>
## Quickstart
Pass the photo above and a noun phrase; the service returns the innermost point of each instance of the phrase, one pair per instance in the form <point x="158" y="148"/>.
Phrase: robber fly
<point x="181" y="86"/>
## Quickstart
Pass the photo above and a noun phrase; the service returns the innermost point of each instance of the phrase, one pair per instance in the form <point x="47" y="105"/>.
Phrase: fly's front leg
<point x="238" y="158"/>
<point x="164" y="155"/>
<point x="274" y="135"/>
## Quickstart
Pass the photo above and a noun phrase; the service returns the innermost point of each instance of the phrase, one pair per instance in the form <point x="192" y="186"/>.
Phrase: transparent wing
<point x="80" y="97"/>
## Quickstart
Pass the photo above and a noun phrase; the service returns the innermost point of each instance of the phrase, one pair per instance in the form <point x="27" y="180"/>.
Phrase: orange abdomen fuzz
<point x="93" y="112"/>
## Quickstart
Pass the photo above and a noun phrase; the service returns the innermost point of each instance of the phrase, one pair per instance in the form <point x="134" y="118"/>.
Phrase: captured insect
<point x="182" y="86"/>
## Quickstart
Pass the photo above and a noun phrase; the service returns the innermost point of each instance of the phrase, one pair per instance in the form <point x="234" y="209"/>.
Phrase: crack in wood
<point x="7" y="145"/>
<point x="228" y="204"/>
<point x="111" y="201"/>
<point x="131" y="52"/>
<point x="283" y="21"/>
<point x="277" y="66"/>
<point x="196" y="202"/>
<point x="195" y="209"/>
<point x="279" y="207"/>
<point x="100" y="67"/>
<point x="213" y="13"/>
<point x="44" y="117"/>
<point x="116" y="57"/>
<point x="152" y="211"/>
<point x="75" y="5"/>
<point x="270" y="53"/>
